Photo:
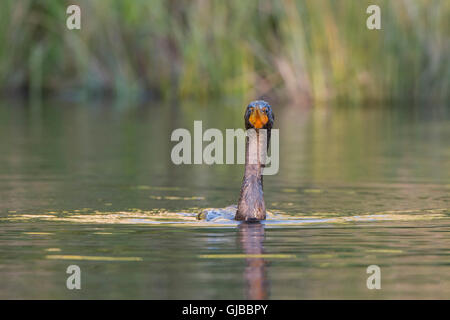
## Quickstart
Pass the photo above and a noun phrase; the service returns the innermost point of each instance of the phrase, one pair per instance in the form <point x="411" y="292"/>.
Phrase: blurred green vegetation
<point x="305" y="51"/>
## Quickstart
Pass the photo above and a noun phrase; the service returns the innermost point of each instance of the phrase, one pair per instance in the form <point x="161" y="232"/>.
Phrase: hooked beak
<point x="258" y="118"/>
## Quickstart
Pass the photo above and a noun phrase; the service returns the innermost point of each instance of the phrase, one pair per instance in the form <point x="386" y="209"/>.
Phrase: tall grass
<point x="307" y="51"/>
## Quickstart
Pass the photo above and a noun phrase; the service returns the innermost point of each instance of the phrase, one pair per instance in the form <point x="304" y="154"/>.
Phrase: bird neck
<point x="251" y="201"/>
<point x="254" y="155"/>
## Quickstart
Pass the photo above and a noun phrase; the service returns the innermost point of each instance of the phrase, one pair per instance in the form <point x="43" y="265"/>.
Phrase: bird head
<point x="258" y="115"/>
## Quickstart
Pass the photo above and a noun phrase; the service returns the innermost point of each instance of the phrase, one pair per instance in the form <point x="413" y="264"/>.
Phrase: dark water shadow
<point x="251" y="238"/>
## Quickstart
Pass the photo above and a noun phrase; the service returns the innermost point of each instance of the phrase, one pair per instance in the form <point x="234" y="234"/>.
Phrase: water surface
<point x="93" y="185"/>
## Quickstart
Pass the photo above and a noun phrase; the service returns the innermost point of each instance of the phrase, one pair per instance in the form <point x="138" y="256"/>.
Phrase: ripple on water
<point x="224" y="217"/>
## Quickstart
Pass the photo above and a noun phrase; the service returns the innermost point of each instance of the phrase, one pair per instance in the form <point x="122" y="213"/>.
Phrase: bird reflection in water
<point x="251" y="237"/>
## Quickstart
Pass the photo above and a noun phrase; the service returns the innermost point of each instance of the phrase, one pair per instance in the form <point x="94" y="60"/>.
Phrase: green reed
<point x="304" y="51"/>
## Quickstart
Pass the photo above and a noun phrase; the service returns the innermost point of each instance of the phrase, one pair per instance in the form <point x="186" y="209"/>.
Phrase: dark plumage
<point x="251" y="207"/>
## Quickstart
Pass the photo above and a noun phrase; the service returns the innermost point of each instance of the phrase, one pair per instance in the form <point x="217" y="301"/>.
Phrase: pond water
<point x="93" y="185"/>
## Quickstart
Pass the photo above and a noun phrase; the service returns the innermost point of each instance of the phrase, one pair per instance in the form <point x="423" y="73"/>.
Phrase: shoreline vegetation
<point x="302" y="51"/>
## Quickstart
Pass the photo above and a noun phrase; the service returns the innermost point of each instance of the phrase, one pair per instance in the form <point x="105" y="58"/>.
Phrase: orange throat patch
<point x="258" y="119"/>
